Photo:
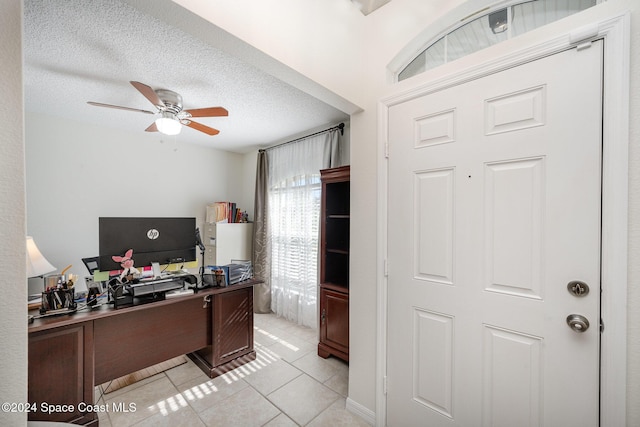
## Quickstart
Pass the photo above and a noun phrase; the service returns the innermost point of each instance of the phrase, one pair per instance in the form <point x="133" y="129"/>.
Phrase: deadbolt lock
<point x="578" y="288"/>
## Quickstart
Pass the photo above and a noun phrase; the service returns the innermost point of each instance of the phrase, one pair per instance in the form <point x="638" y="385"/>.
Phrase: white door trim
<point x="615" y="30"/>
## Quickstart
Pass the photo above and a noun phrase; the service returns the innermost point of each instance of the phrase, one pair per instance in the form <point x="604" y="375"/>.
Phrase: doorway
<point x="615" y="142"/>
<point x="499" y="183"/>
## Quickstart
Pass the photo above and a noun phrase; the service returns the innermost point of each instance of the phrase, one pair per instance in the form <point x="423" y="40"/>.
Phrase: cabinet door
<point x="334" y="323"/>
<point x="232" y="325"/>
<point x="61" y="372"/>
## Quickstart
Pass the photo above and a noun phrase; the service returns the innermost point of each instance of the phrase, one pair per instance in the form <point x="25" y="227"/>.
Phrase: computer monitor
<point x="153" y="240"/>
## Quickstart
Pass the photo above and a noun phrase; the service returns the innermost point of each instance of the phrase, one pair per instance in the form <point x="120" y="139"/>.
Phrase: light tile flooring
<point x="287" y="385"/>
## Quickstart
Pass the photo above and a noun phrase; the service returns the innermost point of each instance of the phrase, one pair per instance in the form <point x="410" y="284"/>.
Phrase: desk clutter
<point x="125" y="293"/>
<point x="141" y="291"/>
<point x="58" y="294"/>
<point x="164" y="249"/>
<point x="57" y="301"/>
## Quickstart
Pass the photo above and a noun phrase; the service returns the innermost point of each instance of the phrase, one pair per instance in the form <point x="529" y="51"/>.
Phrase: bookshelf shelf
<point x="338" y="251"/>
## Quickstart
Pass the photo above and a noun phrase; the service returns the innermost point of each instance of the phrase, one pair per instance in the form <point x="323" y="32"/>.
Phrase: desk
<point x="70" y="354"/>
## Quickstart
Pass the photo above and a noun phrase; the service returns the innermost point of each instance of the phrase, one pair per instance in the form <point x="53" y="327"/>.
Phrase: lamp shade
<point x="168" y="124"/>
<point x="37" y="265"/>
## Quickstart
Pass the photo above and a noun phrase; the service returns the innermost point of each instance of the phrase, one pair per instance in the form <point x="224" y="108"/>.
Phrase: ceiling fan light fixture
<point x="168" y="124"/>
<point x="172" y="116"/>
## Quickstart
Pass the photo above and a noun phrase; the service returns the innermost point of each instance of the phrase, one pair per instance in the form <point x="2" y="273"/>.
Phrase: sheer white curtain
<point x="293" y="211"/>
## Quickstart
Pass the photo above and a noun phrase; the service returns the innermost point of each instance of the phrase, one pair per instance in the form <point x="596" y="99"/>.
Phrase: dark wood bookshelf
<point x="334" y="263"/>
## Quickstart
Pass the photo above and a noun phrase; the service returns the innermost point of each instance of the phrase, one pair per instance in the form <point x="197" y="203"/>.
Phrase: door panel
<point x="514" y="195"/>
<point x="494" y="198"/>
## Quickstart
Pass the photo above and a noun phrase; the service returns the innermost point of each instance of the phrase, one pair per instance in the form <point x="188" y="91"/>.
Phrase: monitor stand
<point x="156" y="270"/>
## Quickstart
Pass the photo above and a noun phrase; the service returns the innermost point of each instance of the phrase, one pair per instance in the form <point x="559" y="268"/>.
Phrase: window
<point x="293" y="199"/>
<point x="492" y="28"/>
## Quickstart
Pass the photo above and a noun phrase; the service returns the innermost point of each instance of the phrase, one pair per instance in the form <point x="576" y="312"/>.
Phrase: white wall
<point x="293" y="34"/>
<point x="13" y="277"/>
<point x="78" y="172"/>
<point x="319" y="38"/>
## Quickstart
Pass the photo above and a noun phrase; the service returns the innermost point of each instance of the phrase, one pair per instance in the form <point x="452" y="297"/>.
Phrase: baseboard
<point x="365" y="413"/>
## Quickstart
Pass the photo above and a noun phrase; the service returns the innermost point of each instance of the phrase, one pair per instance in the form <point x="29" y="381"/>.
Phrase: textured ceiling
<point x="77" y="51"/>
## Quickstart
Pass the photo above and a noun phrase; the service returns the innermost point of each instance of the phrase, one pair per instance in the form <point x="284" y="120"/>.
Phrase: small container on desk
<point x="242" y="270"/>
<point x="215" y="276"/>
<point x="58" y="300"/>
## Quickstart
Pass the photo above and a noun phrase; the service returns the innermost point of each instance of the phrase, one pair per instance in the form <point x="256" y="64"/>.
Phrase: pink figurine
<point x="126" y="263"/>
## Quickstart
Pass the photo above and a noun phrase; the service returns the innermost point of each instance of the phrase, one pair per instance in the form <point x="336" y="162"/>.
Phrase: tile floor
<point x="287" y="385"/>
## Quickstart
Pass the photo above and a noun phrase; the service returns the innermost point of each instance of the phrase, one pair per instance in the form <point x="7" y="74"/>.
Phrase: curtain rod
<point x="340" y="126"/>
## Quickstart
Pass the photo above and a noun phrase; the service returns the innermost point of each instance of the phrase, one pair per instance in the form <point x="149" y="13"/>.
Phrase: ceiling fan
<point x="169" y="107"/>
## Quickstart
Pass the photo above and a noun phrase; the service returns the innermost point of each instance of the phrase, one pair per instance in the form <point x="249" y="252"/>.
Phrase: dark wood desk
<point x="70" y="354"/>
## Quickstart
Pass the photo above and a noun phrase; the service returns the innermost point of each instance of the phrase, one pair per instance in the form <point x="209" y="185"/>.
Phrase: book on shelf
<point x="224" y="212"/>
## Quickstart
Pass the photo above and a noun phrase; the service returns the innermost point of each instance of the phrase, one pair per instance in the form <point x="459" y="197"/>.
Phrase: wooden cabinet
<point x="60" y="374"/>
<point x="334" y="324"/>
<point x="334" y="263"/>
<point x="231" y="333"/>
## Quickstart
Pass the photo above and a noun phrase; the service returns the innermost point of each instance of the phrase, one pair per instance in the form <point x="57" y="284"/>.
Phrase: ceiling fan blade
<point x="152" y="128"/>
<point x="208" y="112"/>
<point x="100" y="104"/>
<point x="148" y="93"/>
<point x="201" y="127"/>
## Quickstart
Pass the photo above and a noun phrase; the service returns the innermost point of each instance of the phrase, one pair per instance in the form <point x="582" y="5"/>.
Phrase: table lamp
<point x="37" y="264"/>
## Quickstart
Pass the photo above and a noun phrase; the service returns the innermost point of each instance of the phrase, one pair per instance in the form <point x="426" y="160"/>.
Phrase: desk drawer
<point x="152" y="334"/>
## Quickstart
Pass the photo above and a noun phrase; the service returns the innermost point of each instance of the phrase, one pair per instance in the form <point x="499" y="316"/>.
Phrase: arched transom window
<point x="493" y="27"/>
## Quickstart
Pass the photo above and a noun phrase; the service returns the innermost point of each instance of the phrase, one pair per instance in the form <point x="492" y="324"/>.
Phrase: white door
<point x="494" y="207"/>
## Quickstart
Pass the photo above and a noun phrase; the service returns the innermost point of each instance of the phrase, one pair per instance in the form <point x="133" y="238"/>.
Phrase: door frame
<point x="615" y="30"/>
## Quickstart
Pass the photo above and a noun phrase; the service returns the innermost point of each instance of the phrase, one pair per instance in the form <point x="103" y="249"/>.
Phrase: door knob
<point x="577" y="322"/>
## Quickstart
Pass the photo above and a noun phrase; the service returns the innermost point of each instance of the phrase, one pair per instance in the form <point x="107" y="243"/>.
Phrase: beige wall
<point x="13" y="309"/>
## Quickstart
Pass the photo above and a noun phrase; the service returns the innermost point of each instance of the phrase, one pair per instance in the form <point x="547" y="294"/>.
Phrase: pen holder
<point x="57" y="301"/>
